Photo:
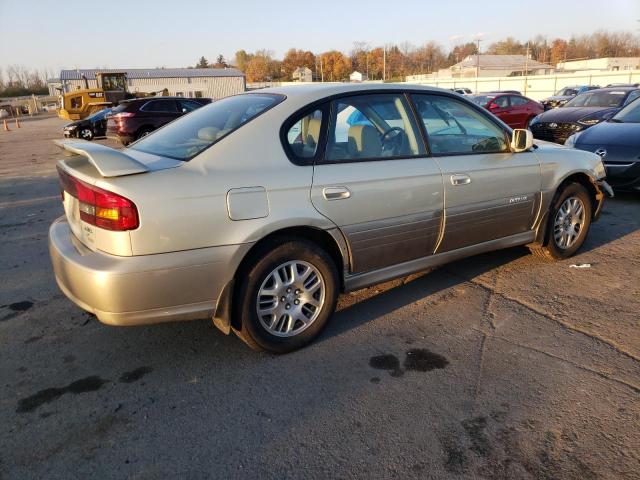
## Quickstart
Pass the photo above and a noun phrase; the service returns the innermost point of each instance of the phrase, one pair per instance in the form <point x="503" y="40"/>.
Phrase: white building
<point x="213" y="83"/>
<point x="302" y="74"/>
<point x="607" y="64"/>
<point x="489" y="66"/>
<point x="357" y="77"/>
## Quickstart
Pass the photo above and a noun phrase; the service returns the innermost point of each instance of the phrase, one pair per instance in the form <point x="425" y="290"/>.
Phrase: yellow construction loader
<point x="112" y="88"/>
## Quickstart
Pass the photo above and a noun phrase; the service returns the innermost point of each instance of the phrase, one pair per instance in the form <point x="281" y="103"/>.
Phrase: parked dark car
<point x="88" y="128"/>
<point x="584" y="111"/>
<point x="514" y="110"/>
<point x="617" y="141"/>
<point x="135" y="118"/>
<point x="565" y="94"/>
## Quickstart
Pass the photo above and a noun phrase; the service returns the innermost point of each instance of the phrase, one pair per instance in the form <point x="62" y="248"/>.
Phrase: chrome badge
<point x="601" y="152"/>
<point x="553" y="125"/>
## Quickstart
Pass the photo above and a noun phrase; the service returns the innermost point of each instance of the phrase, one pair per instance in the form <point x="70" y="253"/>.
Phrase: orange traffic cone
<point x="6" y="126"/>
<point x="17" y="123"/>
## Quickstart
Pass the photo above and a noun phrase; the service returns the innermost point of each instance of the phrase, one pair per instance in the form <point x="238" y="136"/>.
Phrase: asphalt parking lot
<point x="497" y="366"/>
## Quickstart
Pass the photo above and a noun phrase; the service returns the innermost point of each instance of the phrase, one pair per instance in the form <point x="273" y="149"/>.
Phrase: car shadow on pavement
<point x="414" y="288"/>
<point x="619" y="218"/>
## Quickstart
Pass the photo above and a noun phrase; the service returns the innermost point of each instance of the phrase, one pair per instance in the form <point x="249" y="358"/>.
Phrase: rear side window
<point x="303" y="136"/>
<point x="517" y="101"/>
<point x="160" y="106"/>
<point x="186" y="137"/>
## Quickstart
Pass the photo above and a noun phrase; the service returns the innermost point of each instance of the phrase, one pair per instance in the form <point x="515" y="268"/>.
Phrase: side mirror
<point x="521" y="140"/>
<point x="493" y="106"/>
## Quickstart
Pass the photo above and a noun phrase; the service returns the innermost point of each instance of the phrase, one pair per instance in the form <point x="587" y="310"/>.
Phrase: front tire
<point x="568" y="223"/>
<point x="86" y="134"/>
<point x="287" y="295"/>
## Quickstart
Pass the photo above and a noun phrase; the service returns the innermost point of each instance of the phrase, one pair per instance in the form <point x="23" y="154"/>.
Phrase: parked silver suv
<point x="258" y="209"/>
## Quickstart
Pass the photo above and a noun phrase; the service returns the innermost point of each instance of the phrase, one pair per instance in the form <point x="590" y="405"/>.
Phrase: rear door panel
<point x="394" y="211"/>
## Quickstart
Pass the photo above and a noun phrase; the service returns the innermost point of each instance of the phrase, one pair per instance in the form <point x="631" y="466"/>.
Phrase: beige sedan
<point x="259" y="209"/>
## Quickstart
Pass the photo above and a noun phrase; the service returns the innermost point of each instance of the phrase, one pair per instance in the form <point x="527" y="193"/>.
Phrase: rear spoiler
<point x="108" y="161"/>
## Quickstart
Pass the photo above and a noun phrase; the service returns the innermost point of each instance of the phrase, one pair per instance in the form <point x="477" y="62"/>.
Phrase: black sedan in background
<point x="617" y="141"/>
<point x="88" y="128"/>
<point x="584" y="111"/>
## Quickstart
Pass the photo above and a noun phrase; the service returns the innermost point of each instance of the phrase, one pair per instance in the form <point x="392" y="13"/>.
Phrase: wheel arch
<point x="581" y="178"/>
<point x="331" y="241"/>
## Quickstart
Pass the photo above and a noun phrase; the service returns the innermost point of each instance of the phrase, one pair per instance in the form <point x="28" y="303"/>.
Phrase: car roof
<point x="317" y="91"/>
<point x="159" y="97"/>
<point x="620" y="88"/>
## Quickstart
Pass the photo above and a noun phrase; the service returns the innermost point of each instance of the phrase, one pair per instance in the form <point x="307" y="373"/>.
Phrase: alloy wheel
<point x="569" y="222"/>
<point x="290" y="298"/>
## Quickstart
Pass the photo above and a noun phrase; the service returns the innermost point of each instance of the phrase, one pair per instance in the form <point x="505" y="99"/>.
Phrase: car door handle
<point x="336" y="193"/>
<point x="460" y="179"/>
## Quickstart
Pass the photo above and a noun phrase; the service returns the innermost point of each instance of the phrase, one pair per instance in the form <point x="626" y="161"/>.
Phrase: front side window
<point x="186" y="137"/>
<point x="374" y="126"/>
<point x="456" y="128"/>
<point x="303" y="136"/>
<point x="501" y="102"/>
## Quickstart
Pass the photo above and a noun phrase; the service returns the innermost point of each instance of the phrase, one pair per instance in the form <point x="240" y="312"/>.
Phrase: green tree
<point x="220" y="62"/>
<point x="202" y="63"/>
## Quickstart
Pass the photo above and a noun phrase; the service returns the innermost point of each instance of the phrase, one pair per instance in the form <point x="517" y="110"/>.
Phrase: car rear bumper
<point x="143" y="289"/>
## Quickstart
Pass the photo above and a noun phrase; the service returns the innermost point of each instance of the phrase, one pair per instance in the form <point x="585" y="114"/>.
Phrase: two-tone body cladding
<point x="258" y="209"/>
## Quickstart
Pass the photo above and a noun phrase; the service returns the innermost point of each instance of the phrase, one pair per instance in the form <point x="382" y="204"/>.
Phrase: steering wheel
<point x="394" y="137"/>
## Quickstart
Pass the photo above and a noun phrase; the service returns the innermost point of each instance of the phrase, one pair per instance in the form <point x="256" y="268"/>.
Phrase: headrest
<point x="208" y="133"/>
<point x="313" y="132"/>
<point x="364" y="142"/>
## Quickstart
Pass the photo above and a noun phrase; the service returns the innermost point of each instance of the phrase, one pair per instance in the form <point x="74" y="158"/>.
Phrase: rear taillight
<point x="123" y="115"/>
<point x="100" y="207"/>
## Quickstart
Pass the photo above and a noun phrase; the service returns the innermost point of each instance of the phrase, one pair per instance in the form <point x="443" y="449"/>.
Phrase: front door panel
<point x="500" y="199"/>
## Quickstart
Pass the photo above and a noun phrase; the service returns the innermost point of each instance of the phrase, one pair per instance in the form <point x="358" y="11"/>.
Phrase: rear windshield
<point x="608" y="98"/>
<point x="186" y="137"/>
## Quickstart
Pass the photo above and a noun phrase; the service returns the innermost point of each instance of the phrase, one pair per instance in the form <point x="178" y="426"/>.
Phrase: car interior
<point x="371" y="126"/>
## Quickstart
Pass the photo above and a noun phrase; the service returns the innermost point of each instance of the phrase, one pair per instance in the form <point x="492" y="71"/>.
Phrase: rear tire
<point x="568" y="223"/>
<point x="143" y="133"/>
<point x="287" y="295"/>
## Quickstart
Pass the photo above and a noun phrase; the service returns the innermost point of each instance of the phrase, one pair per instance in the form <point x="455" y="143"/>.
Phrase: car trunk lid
<point x="100" y="215"/>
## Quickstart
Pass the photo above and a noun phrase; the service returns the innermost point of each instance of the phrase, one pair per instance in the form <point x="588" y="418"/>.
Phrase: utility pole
<point x="478" y="59"/>
<point x="384" y="63"/>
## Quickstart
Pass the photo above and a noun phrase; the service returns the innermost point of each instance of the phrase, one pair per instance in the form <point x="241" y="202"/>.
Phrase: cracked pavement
<point x="497" y="366"/>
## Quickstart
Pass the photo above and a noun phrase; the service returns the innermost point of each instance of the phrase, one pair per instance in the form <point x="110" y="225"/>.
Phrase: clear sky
<point x="145" y="34"/>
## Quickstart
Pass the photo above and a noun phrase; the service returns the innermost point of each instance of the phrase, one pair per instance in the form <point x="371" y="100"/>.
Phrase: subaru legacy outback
<point x="259" y="209"/>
